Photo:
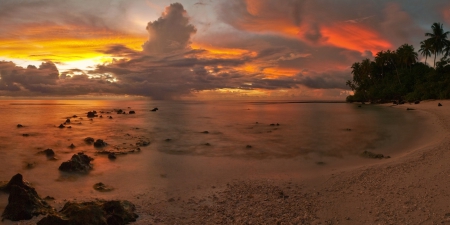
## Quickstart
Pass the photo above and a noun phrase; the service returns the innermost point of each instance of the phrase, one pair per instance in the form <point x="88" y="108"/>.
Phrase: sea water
<point x="193" y="144"/>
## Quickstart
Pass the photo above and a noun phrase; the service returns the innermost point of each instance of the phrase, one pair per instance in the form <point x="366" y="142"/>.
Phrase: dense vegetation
<point x="397" y="75"/>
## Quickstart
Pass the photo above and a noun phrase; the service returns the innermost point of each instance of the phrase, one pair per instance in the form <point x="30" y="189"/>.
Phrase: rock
<point x="89" y="140"/>
<point x="132" y="112"/>
<point x="101" y="116"/>
<point x="25" y="135"/>
<point x="439" y="104"/>
<point x="72" y="146"/>
<point x="154" y="109"/>
<point x="395" y="102"/>
<point x="120" y="111"/>
<point x="416" y="102"/>
<point x="48" y="152"/>
<point x="372" y="155"/>
<point x="67" y="120"/>
<point x="23" y="201"/>
<point x="112" y="155"/>
<point x="74" y="116"/>
<point x="359" y="106"/>
<point x="168" y="139"/>
<point x="61" y="126"/>
<point x="205" y="132"/>
<point x="410" y="109"/>
<point x="110" y="117"/>
<point x="102" y="187"/>
<point x="207" y="144"/>
<point x="98" y="212"/>
<point x="19" y="125"/>
<point x="248" y="146"/>
<point x="49" y="198"/>
<point x="99" y="143"/>
<point x="142" y="143"/>
<point x="91" y="114"/>
<point x="78" y="163"/>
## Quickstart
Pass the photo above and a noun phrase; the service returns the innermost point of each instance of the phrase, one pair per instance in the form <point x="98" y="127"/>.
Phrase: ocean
<point x="193" y="144"/>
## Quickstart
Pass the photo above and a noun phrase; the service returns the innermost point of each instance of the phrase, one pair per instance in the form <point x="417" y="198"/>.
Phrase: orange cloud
<point x="354" y="37"/>
<point x="62" y="43"/>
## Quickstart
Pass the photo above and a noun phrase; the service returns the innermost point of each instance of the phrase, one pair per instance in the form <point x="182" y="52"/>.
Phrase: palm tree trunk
<point x="435" y="60"/>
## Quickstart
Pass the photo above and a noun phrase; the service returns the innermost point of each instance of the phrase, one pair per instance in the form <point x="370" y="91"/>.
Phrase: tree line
<point x="398" y="75"/>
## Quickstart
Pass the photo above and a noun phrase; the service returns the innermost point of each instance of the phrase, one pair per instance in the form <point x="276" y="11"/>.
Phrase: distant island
<point x="398" y="76"/>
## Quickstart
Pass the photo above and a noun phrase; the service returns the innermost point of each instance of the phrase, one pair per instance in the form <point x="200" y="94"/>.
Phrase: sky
<point x="201" y="49"/>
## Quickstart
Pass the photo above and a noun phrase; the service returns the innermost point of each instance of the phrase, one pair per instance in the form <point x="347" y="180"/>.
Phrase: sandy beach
<point x="411" y="188"/>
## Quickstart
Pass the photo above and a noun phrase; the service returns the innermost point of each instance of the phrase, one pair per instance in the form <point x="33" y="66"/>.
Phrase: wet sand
<point x="409" y="188"/>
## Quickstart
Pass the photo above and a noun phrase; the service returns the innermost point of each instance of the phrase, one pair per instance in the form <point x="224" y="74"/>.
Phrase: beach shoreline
<point x="409" y="188"/>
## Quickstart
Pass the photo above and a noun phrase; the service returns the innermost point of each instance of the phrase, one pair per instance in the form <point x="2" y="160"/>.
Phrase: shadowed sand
<point x="409" y="188"/>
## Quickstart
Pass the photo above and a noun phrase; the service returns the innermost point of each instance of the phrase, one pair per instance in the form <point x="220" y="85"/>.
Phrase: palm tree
<point x="426" y="49"/>
<point x="438" y="39"/>
<point x="407" y="55"/>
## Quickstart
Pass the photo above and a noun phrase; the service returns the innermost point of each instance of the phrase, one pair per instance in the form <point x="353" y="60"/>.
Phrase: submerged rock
<point x="142" y="143"/>
<point x="23" y="201"/>
<point x="89" y="140"/>
<point x="94" y="213"/>
<point x="67" y="120"/>
<point x="78" y="163"/>
<point x="102" y="187"/>
<point x="120" y="111"/>
<point x="91" y="114"/>
<point x="132" y="112"/>
<point x="112" y="155"/>
<point x="48" y="152"/>
<point x="19" y="125"/>
<point x="99" y="143"/>
<point x="72" y="146"/>
<point x="61" y="126"/>
<point x="154" y="109"/>
<point x="410" y="109"/>
<point x="439" y="104"/>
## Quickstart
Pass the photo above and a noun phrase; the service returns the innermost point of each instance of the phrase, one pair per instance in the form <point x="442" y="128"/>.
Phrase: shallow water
<point x="182" y="157"/>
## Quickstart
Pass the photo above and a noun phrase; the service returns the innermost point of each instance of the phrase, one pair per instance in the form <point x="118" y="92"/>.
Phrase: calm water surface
<point x="182" y="156"/>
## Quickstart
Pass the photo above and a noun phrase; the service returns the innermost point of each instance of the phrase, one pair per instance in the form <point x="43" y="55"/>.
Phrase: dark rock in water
<point x="61" y="126"/>
<point x="99" y="143"/>
<point x="49" y="198"/>
<point x="168" y="139"/>
<point x="69" y="127"/>
<point x="410" y="109"/>
<point x="372" y="155"/>
<point x="439" y="104"/>
<point x="359" y="106"/>
<point x="416" y="102"/>
<point x="25" y="135"/>
<point x="74" y="116"/>
<point x="67" y="121"/>
<point x="72" y="146"/>
<point x="101" y="116"/>
<point x="19" y="125"/>
<point x="89" y="140"/>
<point x="207" y="144"/>
<point x="272" y="124"/>
<point x="48" y="152"/>
<point x="154" y="109"/>
<point x="91" y="114"/>
<point x="112" y="155"/>
<point x="278" y="124"/>
<point x="205" y="132"/>
<point x="110" y="117"/>
<point x="102" y="187"/>
<point x="132" y="112"/>
<point x="23" y="201"/>
<point x="78" y="163"/>
<point x="248" y="146"/>
<point x="99" y="212"/>
<point x="143" y="143"/>
<point x="120" y="111"/>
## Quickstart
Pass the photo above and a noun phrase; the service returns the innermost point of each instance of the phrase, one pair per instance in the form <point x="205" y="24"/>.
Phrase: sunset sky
<point x="201" y="49"/>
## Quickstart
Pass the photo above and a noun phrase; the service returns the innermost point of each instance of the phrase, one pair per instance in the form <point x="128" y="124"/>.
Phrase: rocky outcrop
<point x="89" y="140"/>
<point x="132" y="112"/>
<point x="23" y="201"/>
<point x="372" y="155"/>
<point x="99" y="143"/>
<point x="94" y="213"/>
<point x="80" y="163"/>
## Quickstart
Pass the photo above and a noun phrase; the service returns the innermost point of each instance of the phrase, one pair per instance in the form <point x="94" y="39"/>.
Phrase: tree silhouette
<point x="438" y="39"/>
<point x="426" y="49"/>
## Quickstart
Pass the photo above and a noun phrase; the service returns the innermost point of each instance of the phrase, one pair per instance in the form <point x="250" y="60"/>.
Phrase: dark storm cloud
<point x="326" y="80"/>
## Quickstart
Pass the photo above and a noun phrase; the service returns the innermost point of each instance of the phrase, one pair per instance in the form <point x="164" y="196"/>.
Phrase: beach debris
<point x="61" y="126"/>
<point x="99" y="143"/>
<point x="372" y="155"/>
<point x="154" y="109"/>
<point x="19" y="125"/>
<point x="439" y="104"/>
<point x="89" y="140"/>
<point x="102" y="187"/>
<point x="99" y="212"/>
<point x="410" y="109"/>
<point x="78" y="163"/>
<point x="23" y="201"/>
<point x="132" y="112"/>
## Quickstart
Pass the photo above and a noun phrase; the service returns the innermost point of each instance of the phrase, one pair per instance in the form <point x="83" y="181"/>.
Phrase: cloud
<point x="171" y="32"/>
<point x="326" y="80"/>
